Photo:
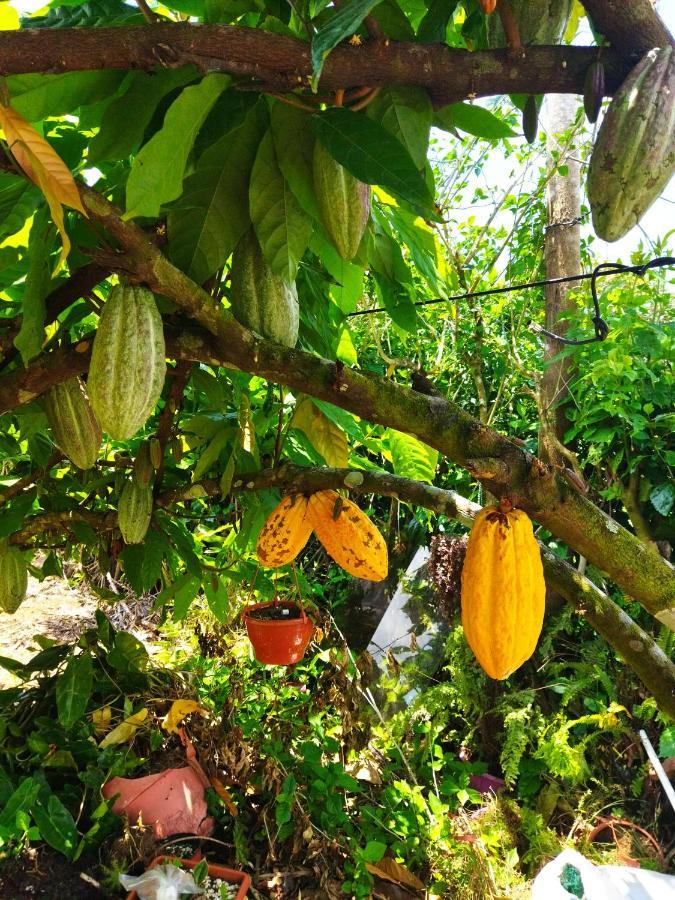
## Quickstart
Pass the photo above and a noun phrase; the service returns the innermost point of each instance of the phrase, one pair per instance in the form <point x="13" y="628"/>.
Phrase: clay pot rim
<point x="275" y="622"/>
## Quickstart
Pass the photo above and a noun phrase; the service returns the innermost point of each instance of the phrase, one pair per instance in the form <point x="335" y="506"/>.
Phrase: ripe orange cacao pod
<point x="285" y="532"/>
<point x="503" y="590"/>
<point x="348" y="535"/>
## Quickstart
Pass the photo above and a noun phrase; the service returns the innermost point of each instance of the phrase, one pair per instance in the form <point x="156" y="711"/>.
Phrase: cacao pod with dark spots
<point x="634" y="154"/>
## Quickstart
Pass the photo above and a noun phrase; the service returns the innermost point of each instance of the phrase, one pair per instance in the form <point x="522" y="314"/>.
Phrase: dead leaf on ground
<point x="180" y="709"/>
<point x="389" y="870"/>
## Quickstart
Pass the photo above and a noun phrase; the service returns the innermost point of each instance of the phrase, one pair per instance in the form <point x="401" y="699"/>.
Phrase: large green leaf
<point x="398" y="303"/>
<point x="406" y="113"/>
<point x="30" y="338"/>
<point x="56" y="824"/>
<point x="127" y="117"/>
<point x="410" y="457"/>
<point x="282" y="227"/>
<point x="294" y="146"/>
<point x="341" y="24"/>
<point x="213" y="212"/>
<point x="18" y="199"/>
<point x="348" y="286"/>
<point x="39" y="96"/>
<point x="73" y="689"/>
<point x="156" y="175"/>
<point x="374" y="156"/>
<point x="474" y="120"/>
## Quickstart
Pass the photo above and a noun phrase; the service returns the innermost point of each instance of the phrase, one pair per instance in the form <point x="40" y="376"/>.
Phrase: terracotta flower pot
<point x="172" y="801"/>
<point x="231" y="876"/>
<point x="281" y="641"/>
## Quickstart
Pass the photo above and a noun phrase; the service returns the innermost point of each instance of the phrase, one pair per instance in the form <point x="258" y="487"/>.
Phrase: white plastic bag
<point x="161" y="883"/>
<point x="602" y="882"/>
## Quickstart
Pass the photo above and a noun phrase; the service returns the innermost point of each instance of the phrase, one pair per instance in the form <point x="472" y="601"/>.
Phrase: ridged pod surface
<point x="285" y="532"/>
<point x="134" y="511"/>
<point x="634" y="154"/>
<point x="73" y="423"/>
<point x="13" y="578"/>
<point x="343" y="200"/>
<point x="539" y="22"/>
<point x="503" y="591"/>
<point x="128" y="361"/>
<point x="348" y="535"/>
<point x="261" y="300"/>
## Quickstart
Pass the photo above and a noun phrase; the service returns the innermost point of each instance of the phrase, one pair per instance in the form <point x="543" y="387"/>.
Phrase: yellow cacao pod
<point x="503" y="590"/>
<point x="348" y="535"/>
<point x="285" y="532"/>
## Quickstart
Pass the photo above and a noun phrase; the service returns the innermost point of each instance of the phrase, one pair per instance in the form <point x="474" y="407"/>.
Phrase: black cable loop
<point x="600" y="271"/>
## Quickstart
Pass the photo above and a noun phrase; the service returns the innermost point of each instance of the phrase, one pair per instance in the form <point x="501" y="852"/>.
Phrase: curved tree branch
<point x="636" y="647"/>
<point x="275" y="62"/>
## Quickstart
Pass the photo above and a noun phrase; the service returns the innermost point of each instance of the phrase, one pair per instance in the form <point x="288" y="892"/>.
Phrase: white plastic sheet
<point x="602" y="882"/>
<point x="161" y="883"/>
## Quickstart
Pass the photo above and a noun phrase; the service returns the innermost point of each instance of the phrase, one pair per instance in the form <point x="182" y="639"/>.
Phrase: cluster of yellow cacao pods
<point x="346" y="532"/>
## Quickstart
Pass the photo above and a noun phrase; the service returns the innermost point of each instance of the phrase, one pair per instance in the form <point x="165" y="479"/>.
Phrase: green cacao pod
<point x="260" y="299"/>
<point x="594" y="91"/>
<point x="128" y="361"/>
<point x="539" y="22"/>
<point x="634" y="154"/>
<point x="73" y="422"/>
<point x="156" y="454"/>
<point x="13" y="578"/>
<point x="344" y="202"/>
<point x="134" y="511"/>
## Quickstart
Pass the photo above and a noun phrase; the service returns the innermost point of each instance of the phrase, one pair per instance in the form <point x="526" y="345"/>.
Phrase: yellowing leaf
<point x="180" y="709"/>
<point x="125" y="730"/>
<point x="44" y="167"/>
<point x="9" y="18"/>
<point x="101" y="719"/>
<point x="390" y="870"/>
<point x="326" y="437"/>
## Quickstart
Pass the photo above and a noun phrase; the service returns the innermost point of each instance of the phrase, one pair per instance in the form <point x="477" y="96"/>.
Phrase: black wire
<point x="600" y="271"/>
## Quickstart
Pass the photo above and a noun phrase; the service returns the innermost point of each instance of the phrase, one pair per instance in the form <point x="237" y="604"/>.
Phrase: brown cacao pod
<point x="260" y="299"/>
<point x="348" y="535"/>
<point x="634" y="154"/>
<point x="285" y="532"/>
<point x="143" y="468"/>
<point x="594" y="91"/>
<point x="73" y="422"/>
<point x="13" y="578"/>
<point x="503" y="590"/>
<point x="128" y="362"/>
<point x="343" y="200"/>
<point x="530" y="119"/>
<point x="134" y="511"/>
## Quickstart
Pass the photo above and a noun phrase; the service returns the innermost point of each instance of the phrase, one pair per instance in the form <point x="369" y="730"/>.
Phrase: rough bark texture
<point x="562" y="255"/>
<point x="275" y="62"/>
<point x="631" y="26"/>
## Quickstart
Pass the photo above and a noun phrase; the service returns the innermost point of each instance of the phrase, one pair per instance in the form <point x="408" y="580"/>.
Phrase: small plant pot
<point x="278" y="631"/>
<point x="231" y="876"/>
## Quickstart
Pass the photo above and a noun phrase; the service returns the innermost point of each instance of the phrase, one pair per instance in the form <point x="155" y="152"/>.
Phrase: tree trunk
<point x="562" y="257"/>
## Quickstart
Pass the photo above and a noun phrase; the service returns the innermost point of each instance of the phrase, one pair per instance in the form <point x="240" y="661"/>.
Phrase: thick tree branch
<point x="276" y="62"/>
<point x="636" y="647"/>
<point x="632" y="28"/>
<point x="504" y="466"/>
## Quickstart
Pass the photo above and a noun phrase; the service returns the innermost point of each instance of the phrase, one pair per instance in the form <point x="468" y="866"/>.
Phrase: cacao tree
<point x="222" y="187"/>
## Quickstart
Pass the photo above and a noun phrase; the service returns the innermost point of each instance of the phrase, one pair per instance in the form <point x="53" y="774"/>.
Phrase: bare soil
<point x="41" y="872"/>
<point x="52" y="608"/>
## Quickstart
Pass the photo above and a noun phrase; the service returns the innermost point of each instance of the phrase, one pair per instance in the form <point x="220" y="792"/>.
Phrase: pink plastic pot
<point x="277" y="642"/>
<point x="231" y="876"/>
<point x="172" y="801"/>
